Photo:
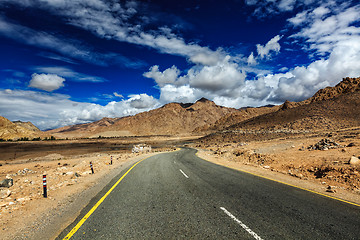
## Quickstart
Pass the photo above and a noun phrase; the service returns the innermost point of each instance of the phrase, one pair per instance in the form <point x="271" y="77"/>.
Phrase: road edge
<point x="223" y="163"/>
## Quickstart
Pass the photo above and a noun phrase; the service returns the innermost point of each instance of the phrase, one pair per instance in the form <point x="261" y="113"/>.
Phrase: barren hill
<point x="239" y="116"/>
<point x="27" y="125"/>
<point x="171" y="119"/>
<point x="340" y="112"/>
<point x="330" y="108"/>
<point x="321" y="111"/>
<point x="10" y="130"/>
<point x="83" y="130"/>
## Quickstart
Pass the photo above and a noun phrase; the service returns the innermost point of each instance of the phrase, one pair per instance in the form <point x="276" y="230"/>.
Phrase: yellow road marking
<point x="322" y="194"/>
<point x="73" y="231"/>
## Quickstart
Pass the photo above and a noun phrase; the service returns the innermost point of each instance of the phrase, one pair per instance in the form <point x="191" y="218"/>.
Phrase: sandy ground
<point x="288" y="160"/>
<point x="26" y="214"/>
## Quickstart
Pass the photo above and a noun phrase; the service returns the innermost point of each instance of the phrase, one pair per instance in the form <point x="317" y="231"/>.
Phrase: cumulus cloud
<point x="142" y="101"/>
<point x="224" y="78"/>
<point x="325" y="30"/>
<point x="169" y="76"/>
<point x="51" y="110"/>
<point x="333" y="34"/>
<point x="47" y="82"/>
<point x="303" y="82"/>
<point x="271" y="46"/>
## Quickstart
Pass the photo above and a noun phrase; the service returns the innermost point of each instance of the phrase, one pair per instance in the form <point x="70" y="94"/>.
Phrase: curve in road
<point x="178" y="195"/>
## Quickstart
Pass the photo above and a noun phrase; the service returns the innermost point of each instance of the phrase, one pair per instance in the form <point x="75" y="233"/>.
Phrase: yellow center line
<point x="73" y="231"/>
<point x="322" y="194"/>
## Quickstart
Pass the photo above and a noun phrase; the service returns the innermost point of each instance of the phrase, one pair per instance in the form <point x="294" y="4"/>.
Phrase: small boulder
<point x="330" y="189"/>
<point x="354" y="161"/>
<point x="8" y="182"/>
<point x="4" y="193"/>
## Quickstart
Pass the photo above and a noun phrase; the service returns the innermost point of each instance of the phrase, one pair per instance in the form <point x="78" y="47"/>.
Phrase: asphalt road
<point x="180" y="196"/>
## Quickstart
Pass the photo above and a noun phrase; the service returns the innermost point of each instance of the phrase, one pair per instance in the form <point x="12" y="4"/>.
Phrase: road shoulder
<point x="280" y="177"/>
<point x="45" y="218"/>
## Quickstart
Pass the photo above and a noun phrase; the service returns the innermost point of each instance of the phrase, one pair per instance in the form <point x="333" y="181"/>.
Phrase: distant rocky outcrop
<point x="347" y="85"/>
<point x="238" y="116"/>
<point x="330" y="108"/>
<point x="27" y="125"/>
<point x="10" y="130"/>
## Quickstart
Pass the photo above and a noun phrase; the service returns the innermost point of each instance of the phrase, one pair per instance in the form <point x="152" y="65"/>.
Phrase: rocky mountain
<point x="27" y="125"/>
<point x="330" y="108"/>
<point x="171" y="119"/>
<point x="10" y="130"/>
<point x="347" y="85"/>
<point x="307" y="115"/>
<point x="83" y="130"/>
<point x="238" y="116"/>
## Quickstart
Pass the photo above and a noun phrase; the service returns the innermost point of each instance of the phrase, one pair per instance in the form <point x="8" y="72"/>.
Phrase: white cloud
<point x="184" y="94"/>
<point x="64" y="46"/>
<point x="142" y="101"/>
<point x="110" y="21"/>
<point x="70" y="74"/>
<point x="49" y="110"/>
<point x="251" y="59"/>
<point x="286" y="5"/>
<point x="169" y="76"/>
<point x="224" y="78"/>
<point x="268" y="8"/>
<point x="118" y="95"/>
<point x="334" y="35"/>
<point x="331" y="32"/>
<point x="271" y="46"/>
<point x="323" y="31"/>
<point x="47" y="82"/>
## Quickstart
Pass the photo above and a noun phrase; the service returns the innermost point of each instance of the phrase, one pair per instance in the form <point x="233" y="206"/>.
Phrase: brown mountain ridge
<point x="330" y="108"/>
<point x="17" y="129"/>
<point x="171" y="119"/>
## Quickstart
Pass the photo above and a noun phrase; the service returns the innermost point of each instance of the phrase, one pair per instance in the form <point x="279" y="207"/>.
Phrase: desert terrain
<point x="313" y="144"/>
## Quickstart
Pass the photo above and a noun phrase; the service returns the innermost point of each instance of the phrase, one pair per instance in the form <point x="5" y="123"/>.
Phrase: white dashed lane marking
<point x="241" y="224"/>
<point x="184" y="173"/>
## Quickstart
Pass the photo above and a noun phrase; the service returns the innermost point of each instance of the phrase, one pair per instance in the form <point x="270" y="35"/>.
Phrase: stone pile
<point x="141" y="148"/>
<point x="324" y="144"/>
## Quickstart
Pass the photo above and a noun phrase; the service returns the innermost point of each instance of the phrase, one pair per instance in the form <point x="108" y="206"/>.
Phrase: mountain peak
<point x="204" y="100"/>
<point x="347" y="85"/>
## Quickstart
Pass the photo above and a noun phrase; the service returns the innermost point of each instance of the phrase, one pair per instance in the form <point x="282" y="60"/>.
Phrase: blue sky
<point x="74" y="61"/>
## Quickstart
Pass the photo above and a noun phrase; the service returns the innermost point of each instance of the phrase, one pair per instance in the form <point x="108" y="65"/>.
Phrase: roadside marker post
<point x="92" y="169"/>
<point x="44" y="186"/>
<point x="111" y="161"/>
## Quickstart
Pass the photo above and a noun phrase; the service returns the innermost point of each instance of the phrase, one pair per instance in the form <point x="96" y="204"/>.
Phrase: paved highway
<point x="180" y="196"/>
